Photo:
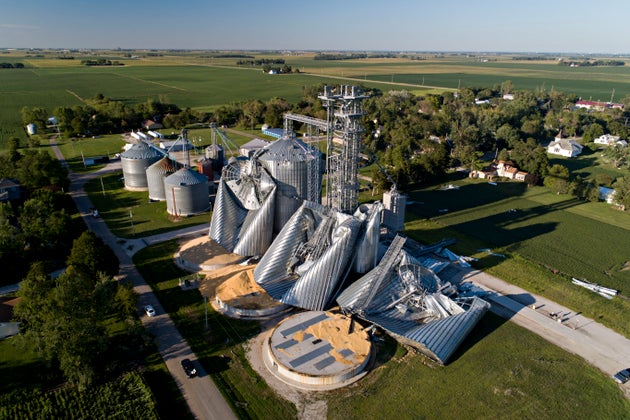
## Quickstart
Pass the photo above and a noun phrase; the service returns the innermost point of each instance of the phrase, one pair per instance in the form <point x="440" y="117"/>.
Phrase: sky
<point x="560" y="26"/>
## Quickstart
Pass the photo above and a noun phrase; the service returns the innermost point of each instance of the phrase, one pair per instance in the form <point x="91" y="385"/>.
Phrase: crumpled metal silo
<point x="135" y="162"/>
<point x="366" y="255"/>
<point x="242" y="218"/>
<point x="309" y="258"/>
<point x="186" y="192"/>
<point x="296" y="168"/>
<point x="155" y="177"/>
<point x="406" y="299"/>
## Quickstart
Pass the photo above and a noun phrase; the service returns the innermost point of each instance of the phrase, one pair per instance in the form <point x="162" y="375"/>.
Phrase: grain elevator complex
<point x="280" y="245"/>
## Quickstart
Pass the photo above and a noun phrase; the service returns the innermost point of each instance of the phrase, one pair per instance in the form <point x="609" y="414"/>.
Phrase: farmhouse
<point x="564" y="147"/>
<point x="597" y="105"/>
<point x="606" y="139"/>
<point x="151" y="125"/>
<point x="504" y="169"/>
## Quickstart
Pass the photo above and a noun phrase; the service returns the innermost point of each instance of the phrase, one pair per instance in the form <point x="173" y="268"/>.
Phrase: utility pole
<point x="205" y="305"/>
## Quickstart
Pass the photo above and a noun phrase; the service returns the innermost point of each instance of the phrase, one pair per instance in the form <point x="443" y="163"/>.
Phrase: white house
<point x="564" y="147"/>
<point x="607" y="195"/>
<point x="606" y="139"/>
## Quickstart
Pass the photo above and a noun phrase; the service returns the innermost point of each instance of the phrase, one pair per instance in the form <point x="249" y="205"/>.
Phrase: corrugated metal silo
<point x="296" y="168"/>
<point x="186" y="193"/>
<point x="394" y="210"/>
<point x="155" y="177"/>
<point x="135" y="162"/>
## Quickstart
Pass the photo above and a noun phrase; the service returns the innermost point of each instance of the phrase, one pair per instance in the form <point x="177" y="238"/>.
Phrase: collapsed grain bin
<point x="243" y="210"/>
<point x="155" y="177"/>
<point x="309" y="258"/>
<point x="296" y="169"/>
<point x="186" y="193"/>
<point x="135" y="163"/>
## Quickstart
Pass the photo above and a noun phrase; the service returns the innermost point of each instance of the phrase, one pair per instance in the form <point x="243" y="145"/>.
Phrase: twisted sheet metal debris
<point x="306" y="262"/>
<point x="244" y="209"/>
<point x="407" y="300"/>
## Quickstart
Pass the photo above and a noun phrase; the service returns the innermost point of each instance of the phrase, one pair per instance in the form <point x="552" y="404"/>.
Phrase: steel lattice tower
<point x="344" y="114"/>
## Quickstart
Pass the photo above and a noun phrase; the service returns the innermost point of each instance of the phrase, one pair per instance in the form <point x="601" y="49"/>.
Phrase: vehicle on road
<point x="622" y="376"/>
<point x="149" y="310"/>
<point x="189" y="368"/>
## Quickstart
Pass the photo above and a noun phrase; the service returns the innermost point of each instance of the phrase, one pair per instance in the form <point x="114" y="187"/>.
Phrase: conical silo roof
<point x="140" y="151"/>
<point x="155" y="177"/>
<point x="185" y="176"/>
<point x="287" y="149"/>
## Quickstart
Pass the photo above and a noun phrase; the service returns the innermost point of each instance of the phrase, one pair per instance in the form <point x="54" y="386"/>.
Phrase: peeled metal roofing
<point x="368" y="242"/>
<point x="402" y="297"/>
<point x="242" y="218"/>
<point x="306" y="262"/>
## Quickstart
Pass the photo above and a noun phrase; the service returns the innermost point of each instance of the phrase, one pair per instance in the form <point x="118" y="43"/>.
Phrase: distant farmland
<point x="559" y="232"/>
<point x="198" y="81"/>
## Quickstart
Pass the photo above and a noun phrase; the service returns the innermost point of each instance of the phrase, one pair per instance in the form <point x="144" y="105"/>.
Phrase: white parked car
<point x="149" y="310"/>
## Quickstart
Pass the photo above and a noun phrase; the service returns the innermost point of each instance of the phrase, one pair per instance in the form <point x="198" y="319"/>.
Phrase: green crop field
<point x="194" y="79"/>
<point x="584" y="240"/>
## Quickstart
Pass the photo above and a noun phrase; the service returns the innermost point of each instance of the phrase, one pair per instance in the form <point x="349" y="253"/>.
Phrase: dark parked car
<point x="189" y="368"/>
<point x="622" y="376"/>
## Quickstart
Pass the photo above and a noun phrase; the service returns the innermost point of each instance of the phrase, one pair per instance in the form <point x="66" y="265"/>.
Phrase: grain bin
<point x="155" y="177"/>
<point x="296" y="169"/>
<point x="135" y="163"/>
<point x="186" y="193"/>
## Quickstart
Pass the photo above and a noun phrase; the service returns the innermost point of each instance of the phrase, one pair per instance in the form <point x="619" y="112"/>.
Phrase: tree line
<point x="11" y="65"/>
<point x="260" y="62"/>
<point x="591" y="63"/>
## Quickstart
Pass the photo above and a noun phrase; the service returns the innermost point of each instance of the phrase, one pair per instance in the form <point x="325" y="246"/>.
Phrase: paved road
<point x="201" y="394"/>
<point x="598" y="345"/>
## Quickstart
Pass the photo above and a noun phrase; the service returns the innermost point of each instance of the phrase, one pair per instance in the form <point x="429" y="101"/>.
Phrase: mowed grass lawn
<point x="500" y="371"/>
<point x="580" y="239"/>
<point x="129" y="214"/>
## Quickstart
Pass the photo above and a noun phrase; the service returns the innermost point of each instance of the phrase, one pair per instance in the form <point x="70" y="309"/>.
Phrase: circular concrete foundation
<point x="317" y="350"/>
<point x="204" y="254"/>
<point x="240" y="296"/>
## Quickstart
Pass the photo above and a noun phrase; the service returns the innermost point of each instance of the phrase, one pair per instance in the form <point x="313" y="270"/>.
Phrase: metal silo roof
<point x="185" y="176"/>
<point x="288" y="149"/>
<point x="141" y="150"/>
<point x="162" y="167"/>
